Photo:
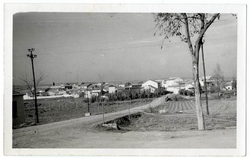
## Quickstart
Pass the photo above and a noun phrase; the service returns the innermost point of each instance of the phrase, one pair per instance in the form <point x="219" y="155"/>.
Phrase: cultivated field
<point x="181" y="115"/>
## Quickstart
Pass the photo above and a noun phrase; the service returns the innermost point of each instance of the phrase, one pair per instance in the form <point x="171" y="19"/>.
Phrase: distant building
<point x="85" y="85"/>
<point x="93" y="90"/>
<point x="111" y="89"/>
<point x="75" y="86"/>
<point x="151" y="86"/>
<point x="18" y="112"/>
<point x="173" y="81"/>
<point x="68" y="86"/>
<point x="128" y="84"/>
<point x="121" y="85"/>
<point x="135" y="87"/>
<point x="56" y="90"/>
<point x="174" y="89"/>
<point x="96" y="89"/>
<point x="209" y="81"/>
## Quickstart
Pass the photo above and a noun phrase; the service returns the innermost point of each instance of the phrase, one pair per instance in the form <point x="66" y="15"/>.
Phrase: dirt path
<point x="77" y="133"/>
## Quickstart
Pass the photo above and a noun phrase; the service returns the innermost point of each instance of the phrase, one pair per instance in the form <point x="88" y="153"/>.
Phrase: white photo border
<point x="240" y="10"/>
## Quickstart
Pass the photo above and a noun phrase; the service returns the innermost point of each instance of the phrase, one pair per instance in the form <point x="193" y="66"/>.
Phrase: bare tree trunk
<point x="200" y="117"/>
<point x="194" y="52"/>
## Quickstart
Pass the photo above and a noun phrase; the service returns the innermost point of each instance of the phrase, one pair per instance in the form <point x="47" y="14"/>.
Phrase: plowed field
<point x="181" y="115"/>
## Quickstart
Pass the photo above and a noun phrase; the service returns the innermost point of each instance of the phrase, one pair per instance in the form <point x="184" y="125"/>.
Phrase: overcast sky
<point x="86" y="47"/>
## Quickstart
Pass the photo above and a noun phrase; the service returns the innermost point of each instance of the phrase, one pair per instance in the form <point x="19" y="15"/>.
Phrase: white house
<point x="121" y="85"/>
<point x="172" y="81"/>
<point x="150" y="85"/>
<point x="209" y="81"/>
<point x="111" y="89"/>
<point x="56" y="90"/>
<point x="175" y="89"/>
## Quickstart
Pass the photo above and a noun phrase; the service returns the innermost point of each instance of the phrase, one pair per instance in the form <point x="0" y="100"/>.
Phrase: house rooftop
<point x="54" y="87"/>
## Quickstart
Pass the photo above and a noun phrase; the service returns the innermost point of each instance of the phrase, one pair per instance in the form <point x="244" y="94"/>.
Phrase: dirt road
<point x="77" y="133"/>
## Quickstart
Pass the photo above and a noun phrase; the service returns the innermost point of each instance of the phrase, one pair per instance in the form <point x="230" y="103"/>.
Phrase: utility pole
<point x="130" y="96"/>
<point x="102" y="103"/>
<point x="32" y="56"/>
<point x="88" y="96"/>
<point x="204" y="71"/>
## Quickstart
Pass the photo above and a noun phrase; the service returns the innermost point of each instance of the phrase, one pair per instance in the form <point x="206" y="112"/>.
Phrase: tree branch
<point x="24" y="78"/>
<point x="41" y="77"/>
<point x="206" y="26"/>
<point x="190" y="46"/>
<point x="202" y="32"/>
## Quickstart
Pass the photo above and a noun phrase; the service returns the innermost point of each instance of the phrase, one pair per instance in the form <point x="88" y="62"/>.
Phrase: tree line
<point x="124" y="95"/>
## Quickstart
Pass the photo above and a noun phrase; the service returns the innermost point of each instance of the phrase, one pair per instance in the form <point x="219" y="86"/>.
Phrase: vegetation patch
<point x="121" y="124"/>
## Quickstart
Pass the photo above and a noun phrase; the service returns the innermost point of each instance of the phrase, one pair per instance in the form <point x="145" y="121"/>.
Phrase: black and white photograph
<point x="112" y="79"/>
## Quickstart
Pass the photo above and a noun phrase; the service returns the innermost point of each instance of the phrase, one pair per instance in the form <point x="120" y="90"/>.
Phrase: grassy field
<point x="59" y="109"/>
<point x="181" y="115"/>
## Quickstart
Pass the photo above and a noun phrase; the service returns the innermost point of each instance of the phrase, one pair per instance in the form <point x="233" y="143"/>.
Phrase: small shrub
<point x="181" y="91"/>
<point x="189" y="93"/>
<point x="185" y="92"/>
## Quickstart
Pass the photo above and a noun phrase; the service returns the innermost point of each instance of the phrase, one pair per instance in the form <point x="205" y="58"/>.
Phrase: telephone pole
<point x="32" y="56"/>
<point x="204" y="71"/>
<point x="102" y="102"/>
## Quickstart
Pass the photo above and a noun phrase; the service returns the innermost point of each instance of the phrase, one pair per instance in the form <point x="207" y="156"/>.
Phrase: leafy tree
<point x="187" y="26"/>
<point x="219" y="78"/>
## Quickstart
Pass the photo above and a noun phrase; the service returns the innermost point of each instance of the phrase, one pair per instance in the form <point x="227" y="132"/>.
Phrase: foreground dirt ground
<point x="79" y="138"/>
<point x="77" y="135"/>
